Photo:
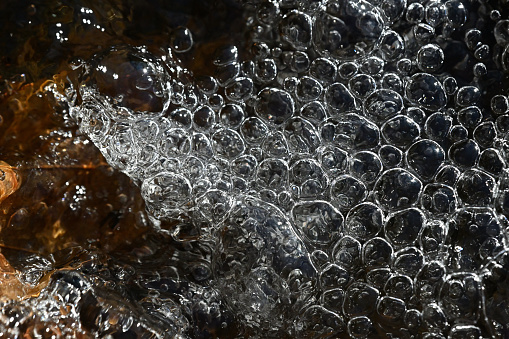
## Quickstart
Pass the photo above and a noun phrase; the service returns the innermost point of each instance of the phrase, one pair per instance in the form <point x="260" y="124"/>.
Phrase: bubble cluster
<point x="350" y="173"/>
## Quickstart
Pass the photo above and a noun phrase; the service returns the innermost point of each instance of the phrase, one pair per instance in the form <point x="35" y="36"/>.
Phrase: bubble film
<point x="344" y="168"/>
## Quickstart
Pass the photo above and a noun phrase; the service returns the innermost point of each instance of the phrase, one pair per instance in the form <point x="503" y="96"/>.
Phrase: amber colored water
<point x="62" y="206"/>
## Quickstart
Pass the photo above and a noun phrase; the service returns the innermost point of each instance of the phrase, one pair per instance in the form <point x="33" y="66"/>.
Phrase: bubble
<point x="435" y="13"/>
<point x="181" y="40"/>
<point x="309" y="177"/>
<point x="314" y="111"/>
<point x="231" y="115"/>
<point x="412" y="319"/>
<point x="267" y="12"/>
<point x="383" y="104"/>
<point x="364" y="221"/>
<point x="301" y="136"/>
<point x="390" y="156"/>
<point x="299" y="62"/>
<point x="377" y="277"/>
<point x="334" y="36"/>
<point x="200" y="144"/>
<point x="402" y="228"/>
<point x="392" y="81"/>
<point x="439" y="199"/>
<point x="505" y="59"/>
<point x="400" y="130"/>
<point x="502" y="123"/>
<point x="473" y="38"/>
<point x="409" y="261"/>
<point x="182" y="117"/>
<point x="348" y="69"/>
<point x="425" y="157"/>
<point x="423" y="33"/>
<point x="438" y="125"/>
<point x="467" y="96"/>
<point x="482" y="52"/>
<point x="391" y="309"/>
<point x="399" y="286"/>
<point x="480" y="70"/>
<point x="308" y="89"/>
<point x="226" y="55"/>
<point x="485" y="134"/>
<point x="225" y="74"/>
<point x="253" y="130"/>
<point x="456" y="13"/>
<point x="245" y="166"/>
<point x="274" y="105"/>
<point x="275" y="145"/>
<point x="360" y="327"/>
<point x="206" y="84"/>
<point x="457" y="133"/>
<point x="347" y="252"/>
<point x="360" y="299"/>
<point x="227" y="143"/>
<point x="372" y="65"/>
<point x="240" y="90"/>
<point x="450" y="85"/>
<point x="323" y="70"/>
<point x="448" y="175"/>
<point x="404" y="66"/>
<point x="318" y="222"/>
<point x="499" y="104"/>
<point x="334" y="276"/>
<point x="394" y="9"/>
<point x="397" y="188"/>
<point x="347" y="191"/>
<point x="333" y="299"/>
<point x="132" y="82"/>
<point x="377" y="252"/>
<point x="165" y="192"/>
<point x="339" y="99"/>
<point x="414" y="13"/>
<point x="461" y="296"/>
<point x="266" y="70"/>
<point x="272" y="173"/>
<point x="290" y="84"/>
<point x="296" y="29"/>
<point x="476" y="187"/>
<point x="464" y="153"/>
<point x="203" y="118"/>
<point x="430" y="58"/>
<point x="366" y="166"/>
<point x="417" y="115"/>
<point x="501" y="32"/>
<point x="361" y="85"/>
<point x="425" y="90"/>
<point x="320" y="259"/>
<point x="333" y="159"/>
<point x="492" y="161"/>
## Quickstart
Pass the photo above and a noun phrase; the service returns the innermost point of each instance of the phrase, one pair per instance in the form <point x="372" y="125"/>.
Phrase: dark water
<point x="305" y="169"/>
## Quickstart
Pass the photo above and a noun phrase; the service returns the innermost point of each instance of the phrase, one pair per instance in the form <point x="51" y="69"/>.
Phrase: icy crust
<point x="350" y="185"/>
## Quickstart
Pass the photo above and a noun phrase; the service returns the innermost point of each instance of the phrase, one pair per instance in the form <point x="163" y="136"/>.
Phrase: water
<point x="340" y="173"/>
